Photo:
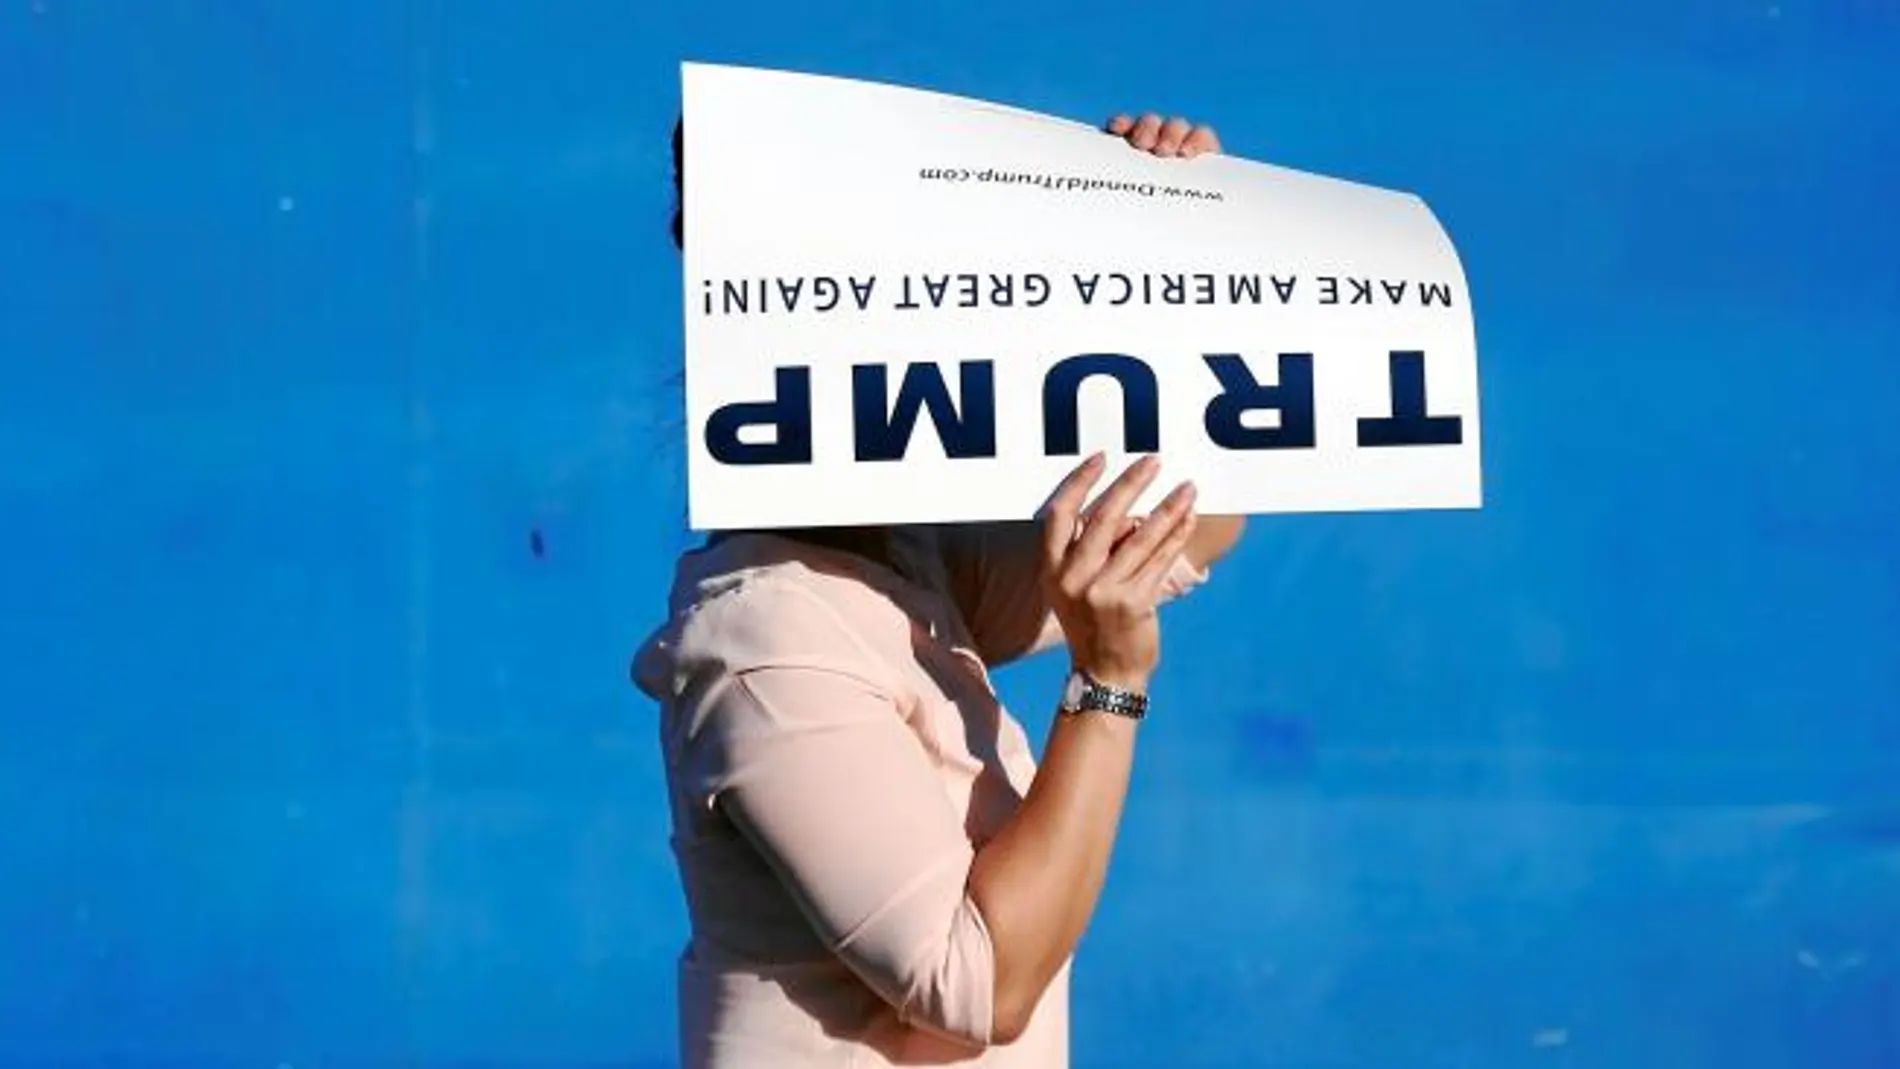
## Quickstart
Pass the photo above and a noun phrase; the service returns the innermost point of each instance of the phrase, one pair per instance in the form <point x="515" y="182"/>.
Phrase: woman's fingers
<point x="1145" y="132"/>
<point x="1122" y="530"/>
<point x="1102" y="520"/>
<point x="1201" y="142"/>
<point x="1174" y="133"/>
<point x="1131" y="557"/>
<point x="1061" y="516"/>
<point x="1165" y="137"/>
<point x="1154" y="571"/>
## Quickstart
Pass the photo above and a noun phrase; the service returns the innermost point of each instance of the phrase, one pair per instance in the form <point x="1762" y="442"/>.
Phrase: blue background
<point x="313" y="313"/>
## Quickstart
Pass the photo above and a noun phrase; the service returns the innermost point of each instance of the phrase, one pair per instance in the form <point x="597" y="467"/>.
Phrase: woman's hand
<point x="1166" y="138"/>
<point x="1102" y="572"/>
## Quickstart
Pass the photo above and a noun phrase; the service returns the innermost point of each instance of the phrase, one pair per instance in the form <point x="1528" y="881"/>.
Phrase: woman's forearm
<point x="1037" y="882"/>
<point x="1213" y="537"/>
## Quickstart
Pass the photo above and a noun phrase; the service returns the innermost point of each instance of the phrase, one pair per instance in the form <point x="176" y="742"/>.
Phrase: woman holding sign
<point x="875" y="869"/>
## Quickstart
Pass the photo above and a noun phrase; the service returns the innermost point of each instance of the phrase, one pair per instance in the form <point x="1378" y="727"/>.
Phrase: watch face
<point x="1072" y="692"/>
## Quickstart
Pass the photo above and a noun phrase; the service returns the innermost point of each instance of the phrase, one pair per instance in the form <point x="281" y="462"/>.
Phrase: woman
<point x="876" y="871"/>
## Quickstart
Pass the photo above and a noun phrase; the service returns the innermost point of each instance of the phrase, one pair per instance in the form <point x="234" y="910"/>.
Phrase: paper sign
<point x="906" y="307"/>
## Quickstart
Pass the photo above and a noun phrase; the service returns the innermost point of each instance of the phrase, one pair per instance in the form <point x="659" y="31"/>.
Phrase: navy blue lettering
<point x="1062" y="403"/>
<point x="907" y="303"/>
<point x="1408" y="424"/>
<point x="1037" y="286"/>
<point x="789" y="413"/>
<point x="1241" y="393"/>
<point x="883" y="431"/>
<point x="1203" y="289"/>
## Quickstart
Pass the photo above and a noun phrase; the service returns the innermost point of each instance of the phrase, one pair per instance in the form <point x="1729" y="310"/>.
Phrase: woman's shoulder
<point x="755" y="601"/>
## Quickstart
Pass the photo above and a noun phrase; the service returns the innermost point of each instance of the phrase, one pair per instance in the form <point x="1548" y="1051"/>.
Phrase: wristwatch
<point x="1085" y="694"/>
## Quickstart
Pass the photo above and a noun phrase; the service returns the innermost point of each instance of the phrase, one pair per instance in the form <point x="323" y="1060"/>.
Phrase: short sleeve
<point x="995" y="578"/>
<point x="815" y="764"/>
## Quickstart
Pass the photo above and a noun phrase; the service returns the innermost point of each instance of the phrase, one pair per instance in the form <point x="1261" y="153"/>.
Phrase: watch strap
<point x="1098" y="697"/>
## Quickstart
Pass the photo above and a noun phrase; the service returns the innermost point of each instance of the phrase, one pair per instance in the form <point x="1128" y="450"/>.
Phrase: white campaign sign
<point x="905" y="307"/>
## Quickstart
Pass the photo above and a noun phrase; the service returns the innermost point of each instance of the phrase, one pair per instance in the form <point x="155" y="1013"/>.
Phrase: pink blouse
<point x="835" y="756"/>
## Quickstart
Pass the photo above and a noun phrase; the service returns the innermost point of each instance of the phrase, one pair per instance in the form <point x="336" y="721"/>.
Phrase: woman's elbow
<point x="952" y="988"/>
<point x="1009" y="1020"/>
<point x="973" y="1031"/>
<point x="1012" y="1018"/>
<point x="1214" y="537"/>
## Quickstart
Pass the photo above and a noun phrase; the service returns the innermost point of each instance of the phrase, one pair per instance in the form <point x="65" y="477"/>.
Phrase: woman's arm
<point x="1038" y="881"/>
<point x="817" y="768"/>
<point x="1178" y="137"/>
<point x="851" y="818"/>
<point x="815" y="765"/>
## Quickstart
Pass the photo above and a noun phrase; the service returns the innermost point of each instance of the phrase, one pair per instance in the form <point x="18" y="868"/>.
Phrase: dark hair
<point x="679" y="184"/>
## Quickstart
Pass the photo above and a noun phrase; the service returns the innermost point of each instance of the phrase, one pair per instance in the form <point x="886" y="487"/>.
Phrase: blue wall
<point x="314" y="314"/>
